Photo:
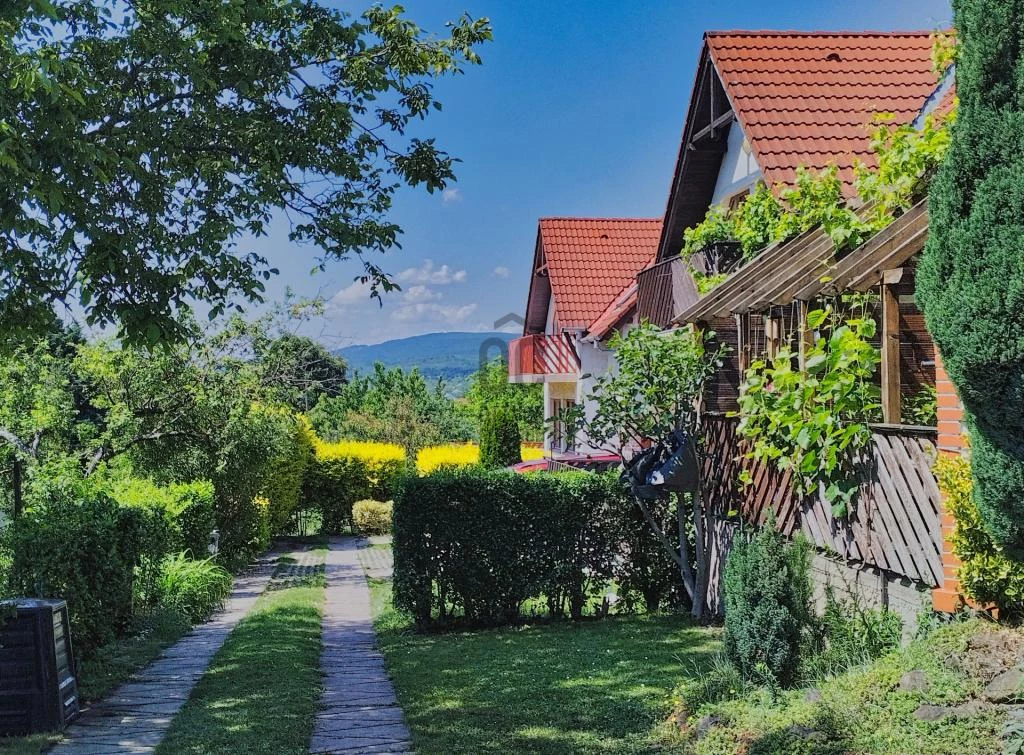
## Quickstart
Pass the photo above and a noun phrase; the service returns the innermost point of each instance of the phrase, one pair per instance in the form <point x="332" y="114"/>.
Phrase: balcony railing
<point x="533" y="358"/>
<point x="663" y="291"/>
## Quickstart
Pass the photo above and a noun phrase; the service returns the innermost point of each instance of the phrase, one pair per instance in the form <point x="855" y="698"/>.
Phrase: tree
<point x="500" y="441"/>
<point x="971" y="277"/>
<point x="489" y="387"/>
<point x="141" y="141"/>
<point x="657" y="389"/>
<point x="391" y="406"/>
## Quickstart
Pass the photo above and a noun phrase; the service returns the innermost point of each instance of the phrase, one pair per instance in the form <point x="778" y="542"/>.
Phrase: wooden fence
<point x="894" y="524"/>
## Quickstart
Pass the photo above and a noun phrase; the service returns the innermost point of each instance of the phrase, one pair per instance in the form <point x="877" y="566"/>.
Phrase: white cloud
<point x="427" y="273"/>
<point x="441" y="314"/>
<point x="500" y="272"/>
<point x="420" y="294"/>
<point x="355" y="293"/>
<point x="451" y="195"/>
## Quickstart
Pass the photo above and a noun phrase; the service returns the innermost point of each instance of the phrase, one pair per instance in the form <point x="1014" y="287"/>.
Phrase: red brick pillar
<point x="946" y="597"/>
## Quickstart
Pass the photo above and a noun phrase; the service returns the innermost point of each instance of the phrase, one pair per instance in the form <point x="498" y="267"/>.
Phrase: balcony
<point x="663" y="291"/>
<point x="540" y="358"/>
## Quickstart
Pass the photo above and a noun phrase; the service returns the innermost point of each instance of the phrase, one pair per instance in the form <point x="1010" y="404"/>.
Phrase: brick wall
<point x="946" y="597"/>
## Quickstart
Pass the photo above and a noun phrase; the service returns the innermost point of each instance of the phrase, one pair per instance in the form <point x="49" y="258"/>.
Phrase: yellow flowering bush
<point x="348" y="471"/>
<point x="455" y="455"/>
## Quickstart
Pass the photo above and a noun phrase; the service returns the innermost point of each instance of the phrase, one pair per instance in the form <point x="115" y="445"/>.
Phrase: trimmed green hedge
<point x="342" y="473"/>
<point x="475" y="545"/>
<point x="88" y="549"/>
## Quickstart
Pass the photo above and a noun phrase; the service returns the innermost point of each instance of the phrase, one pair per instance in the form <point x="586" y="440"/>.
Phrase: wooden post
<point x="890" y="347"/>
<point x="742" y="347"/>
<point x="804" y="337"/>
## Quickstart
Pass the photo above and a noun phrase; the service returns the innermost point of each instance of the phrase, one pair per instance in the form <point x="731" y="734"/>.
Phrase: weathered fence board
<point x="895" y="521"/>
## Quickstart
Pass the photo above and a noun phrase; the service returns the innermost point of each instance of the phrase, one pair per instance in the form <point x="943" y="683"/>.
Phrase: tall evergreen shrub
<point x="500" y="440"/>
<point x="767" y="606"/>
<point x="971" y="278"/>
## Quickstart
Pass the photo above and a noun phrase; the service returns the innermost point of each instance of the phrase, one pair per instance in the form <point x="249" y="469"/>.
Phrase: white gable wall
<point x="739" y="169"/>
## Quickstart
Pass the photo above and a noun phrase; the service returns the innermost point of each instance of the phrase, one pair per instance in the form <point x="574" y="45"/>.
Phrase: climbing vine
<point x="812" y="421"/>
<point x="907" y="158"/>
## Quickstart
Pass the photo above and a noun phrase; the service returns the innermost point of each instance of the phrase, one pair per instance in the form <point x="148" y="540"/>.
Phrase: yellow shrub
<point x="532" y="453"/>
<point x="349" y="471"/>
<point x="357" y="449"/>
<point x="432" y="458"/>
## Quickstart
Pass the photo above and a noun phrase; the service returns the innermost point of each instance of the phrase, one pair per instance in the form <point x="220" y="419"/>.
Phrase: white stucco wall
<point x="739" y="168"/>
<point x="595" y="361"/>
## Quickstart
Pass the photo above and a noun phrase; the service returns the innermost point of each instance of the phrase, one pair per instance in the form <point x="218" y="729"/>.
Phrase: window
<point x="560" y="441"/>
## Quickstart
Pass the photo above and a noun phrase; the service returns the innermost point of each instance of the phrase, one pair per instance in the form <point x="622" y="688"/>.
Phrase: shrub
<point x="85" y="547"/>
<point x="187" y="507"/>
<point x="500" y="440"/>
<point x="970" y="279"/>
<point x="647" y="574"/>
<point x="349" y="471"/>
<point x="986" y="573"/>
<point x="283" y="479"/>
<point x="195" y="588"/>
<point x="477" y="544"/>
<point x="767" y="606"/>
<point x="372" y="517"/>
<point x="455" y="455"/>
<point x="849" y="634"/>
<point x="451" y="456"/>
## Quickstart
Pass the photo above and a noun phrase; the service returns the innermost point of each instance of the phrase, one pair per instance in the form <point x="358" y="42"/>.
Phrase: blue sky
<point x="576" y="110"/>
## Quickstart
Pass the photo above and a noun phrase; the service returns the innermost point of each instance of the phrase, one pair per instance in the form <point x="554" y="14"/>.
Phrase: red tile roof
<point x="591" y="260"/>
<point x="807" y="98"/>
<point x="614" y="313"/>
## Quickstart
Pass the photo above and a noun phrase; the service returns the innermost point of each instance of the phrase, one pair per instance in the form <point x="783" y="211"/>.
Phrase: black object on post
<point x="38" y="690"/>
<point x="669" y="466"/>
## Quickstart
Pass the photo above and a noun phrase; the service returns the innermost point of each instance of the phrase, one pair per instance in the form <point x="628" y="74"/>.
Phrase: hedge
<point x="342" y="473"/>
<point x="86" y="548"/>
<point x="475" y="544"/>
<point x="188" y="509"/>
<point x="372" y="517"/>
<point x="454" y="455"/>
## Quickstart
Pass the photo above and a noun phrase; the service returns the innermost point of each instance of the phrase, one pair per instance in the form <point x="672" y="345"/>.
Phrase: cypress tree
<point x="971" y="277"/>
<point x="500" y="441"/>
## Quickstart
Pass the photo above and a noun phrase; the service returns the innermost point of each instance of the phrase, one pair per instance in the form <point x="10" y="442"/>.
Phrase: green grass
<point x="862" y="711"/>
<point x="261" y="692"/>
<point x="596" y="686"/>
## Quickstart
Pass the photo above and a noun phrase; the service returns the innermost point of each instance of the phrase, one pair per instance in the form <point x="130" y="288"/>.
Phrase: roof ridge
<point x="828" y="33"/>
<point x="616" y="219"/>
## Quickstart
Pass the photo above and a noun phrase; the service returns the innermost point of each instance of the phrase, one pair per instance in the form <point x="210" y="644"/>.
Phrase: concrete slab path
<point x="359" y="712"/>
<point x="135" y="717"/>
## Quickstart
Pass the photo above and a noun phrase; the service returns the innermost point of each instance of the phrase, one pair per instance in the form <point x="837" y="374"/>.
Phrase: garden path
<point x="135" y="717"/>
<point x="359" y="712"/>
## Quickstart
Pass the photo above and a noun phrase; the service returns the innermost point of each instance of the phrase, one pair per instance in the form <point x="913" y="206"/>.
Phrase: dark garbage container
<point x="38" y="690"/>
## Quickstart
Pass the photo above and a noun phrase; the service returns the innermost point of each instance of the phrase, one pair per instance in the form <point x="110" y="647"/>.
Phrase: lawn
<point x="597" y="686"/>
<point x="261" y="692"/>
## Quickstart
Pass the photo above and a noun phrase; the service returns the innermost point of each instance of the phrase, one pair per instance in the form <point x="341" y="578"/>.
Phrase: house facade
<point x="583" y="270"/>
<point x="764" y="104"/>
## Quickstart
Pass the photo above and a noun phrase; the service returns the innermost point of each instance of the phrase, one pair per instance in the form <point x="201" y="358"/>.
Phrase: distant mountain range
<point x="453" y="357"/>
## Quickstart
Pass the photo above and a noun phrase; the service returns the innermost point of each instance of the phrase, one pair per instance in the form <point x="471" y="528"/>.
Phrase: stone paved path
<point x="378" y="563"/>
<point x="135" y="717"/>
<point x="359" y="712"/>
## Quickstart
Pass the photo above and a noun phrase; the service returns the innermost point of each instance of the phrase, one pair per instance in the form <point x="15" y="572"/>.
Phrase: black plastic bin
<point x="38" y="690"/>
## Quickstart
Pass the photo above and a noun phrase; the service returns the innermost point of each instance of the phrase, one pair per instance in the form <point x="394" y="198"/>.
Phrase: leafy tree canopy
<point x="141" y="141"/>
<point x="489" y="387"/>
